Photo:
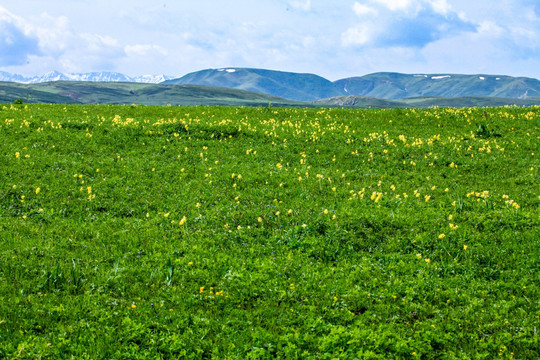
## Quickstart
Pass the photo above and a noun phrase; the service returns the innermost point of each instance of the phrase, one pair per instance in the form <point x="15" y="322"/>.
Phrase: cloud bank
<point x="334" y="39"/>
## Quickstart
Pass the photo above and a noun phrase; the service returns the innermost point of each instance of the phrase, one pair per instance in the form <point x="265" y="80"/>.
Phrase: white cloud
<point x="301" y="5"/>
<point x="144" y="49"/>
<point x="440" y="6"/>
<point x="419" y="23"/>
<point x="52" y="41"/>
<point x="361" y="9"/>
<point x="7" y="16"/>
<point x="17" y="43"/>
<point x="54" y="33"/>
<point x="491" y="28"/>
<point x="395" y="5"/>
<point x="358" y="35"/>
<point x="96" y="42"/>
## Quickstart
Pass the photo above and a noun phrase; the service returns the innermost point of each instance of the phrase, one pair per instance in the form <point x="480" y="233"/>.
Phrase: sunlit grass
<point x="200" y="232"/>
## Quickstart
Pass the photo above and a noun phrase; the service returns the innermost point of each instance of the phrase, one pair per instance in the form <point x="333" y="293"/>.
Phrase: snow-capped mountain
<point x="152" y="79"/>
<point x="4" y="76"/>
<point x="92" y="77"/>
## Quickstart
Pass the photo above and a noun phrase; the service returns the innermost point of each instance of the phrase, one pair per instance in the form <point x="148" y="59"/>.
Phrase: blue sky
<point x="334" y="39"/>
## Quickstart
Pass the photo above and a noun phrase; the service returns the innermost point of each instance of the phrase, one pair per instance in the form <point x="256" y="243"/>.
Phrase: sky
<point x="334" y="39"/>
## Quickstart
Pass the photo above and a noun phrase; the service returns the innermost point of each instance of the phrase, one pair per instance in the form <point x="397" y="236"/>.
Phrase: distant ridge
<point x="384" y="89"/>
<point x="288" y="85"/>
<point x="383" y="85"/>
<point x="399" y="86"/>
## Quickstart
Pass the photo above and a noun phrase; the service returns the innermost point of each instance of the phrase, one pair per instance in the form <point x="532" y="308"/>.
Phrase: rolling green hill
<point x="294" y="86"/>
<point x="9" y="91"/>
<point x="70" y="92"/>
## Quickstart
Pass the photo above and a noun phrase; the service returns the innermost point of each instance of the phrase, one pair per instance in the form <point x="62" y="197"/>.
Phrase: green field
<point x="140" y="232"/>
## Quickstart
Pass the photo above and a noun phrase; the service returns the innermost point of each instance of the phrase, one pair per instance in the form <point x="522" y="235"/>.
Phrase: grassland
<point x="136" y="232"/>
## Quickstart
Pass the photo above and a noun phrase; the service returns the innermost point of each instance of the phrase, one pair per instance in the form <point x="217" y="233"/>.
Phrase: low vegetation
<point x="257" y="233"/>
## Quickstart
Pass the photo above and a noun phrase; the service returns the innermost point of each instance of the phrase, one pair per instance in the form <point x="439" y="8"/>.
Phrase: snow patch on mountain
<point x="440" y="77"/>
<point x="4" y="76"/>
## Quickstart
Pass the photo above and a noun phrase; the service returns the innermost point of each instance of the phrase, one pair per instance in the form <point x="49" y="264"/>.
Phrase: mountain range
<point x="383" y="85"/>
<point x="255" y="86"/>
<point x="93" y="77"/>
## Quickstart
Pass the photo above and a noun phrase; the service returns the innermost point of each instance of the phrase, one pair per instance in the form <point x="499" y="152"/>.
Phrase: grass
<point x="258" y="233"/>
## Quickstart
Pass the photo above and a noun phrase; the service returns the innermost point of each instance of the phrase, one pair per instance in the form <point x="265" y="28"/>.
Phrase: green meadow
<point x="142" y="232"/>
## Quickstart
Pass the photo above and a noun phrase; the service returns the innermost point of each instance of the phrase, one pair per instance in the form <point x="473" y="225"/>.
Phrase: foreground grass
<point x="208" y="232"/>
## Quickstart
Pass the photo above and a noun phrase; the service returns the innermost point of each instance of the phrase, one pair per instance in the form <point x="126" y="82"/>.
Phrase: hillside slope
<point x="399" y="86"/>
<point x="71" y="92"/>
<point x="358" y="101"/>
